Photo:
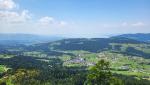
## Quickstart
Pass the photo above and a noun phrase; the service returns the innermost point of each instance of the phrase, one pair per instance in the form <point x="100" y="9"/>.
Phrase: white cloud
<point x="7" y="4"/>
<point x="124" y="24"/>
<point x="8" y="16"/>
<point x="63" y="23"/>
<point x="46" y="21"/>
<point x="51" y="22"/>
<point x="109" y="25"/>
<point x="138" y="24"/>
<point x="14" y="17"/>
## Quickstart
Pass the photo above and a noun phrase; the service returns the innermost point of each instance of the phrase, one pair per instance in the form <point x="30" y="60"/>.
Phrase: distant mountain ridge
<point x="138" y="36"/>
<point x="25" y="38"/>
<point x="119" y="44"/>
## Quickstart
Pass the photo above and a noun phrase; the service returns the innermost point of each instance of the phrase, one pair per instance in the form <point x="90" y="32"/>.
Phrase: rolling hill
<point x="117" y="44"/>
<point x="138" y="36"/>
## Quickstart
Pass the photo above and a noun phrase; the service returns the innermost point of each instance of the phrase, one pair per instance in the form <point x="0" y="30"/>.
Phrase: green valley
<point x="68" y="61"/>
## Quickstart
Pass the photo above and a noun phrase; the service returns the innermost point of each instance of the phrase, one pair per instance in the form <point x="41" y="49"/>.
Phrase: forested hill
<point x="138" y="36"/>
<point x="121" y="45"/>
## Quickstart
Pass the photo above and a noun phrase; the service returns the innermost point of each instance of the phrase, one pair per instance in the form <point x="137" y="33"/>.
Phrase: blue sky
<point x="75" y="18"/>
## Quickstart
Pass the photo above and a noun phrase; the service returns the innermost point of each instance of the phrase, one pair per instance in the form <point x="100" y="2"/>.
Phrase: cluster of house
<point x="79" y="60"/>
<point x="124" y="67"/>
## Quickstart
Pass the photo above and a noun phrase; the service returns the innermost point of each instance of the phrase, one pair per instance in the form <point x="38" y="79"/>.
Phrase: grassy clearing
<point x="6" y="56"/>
<point x="3" y="68"/>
